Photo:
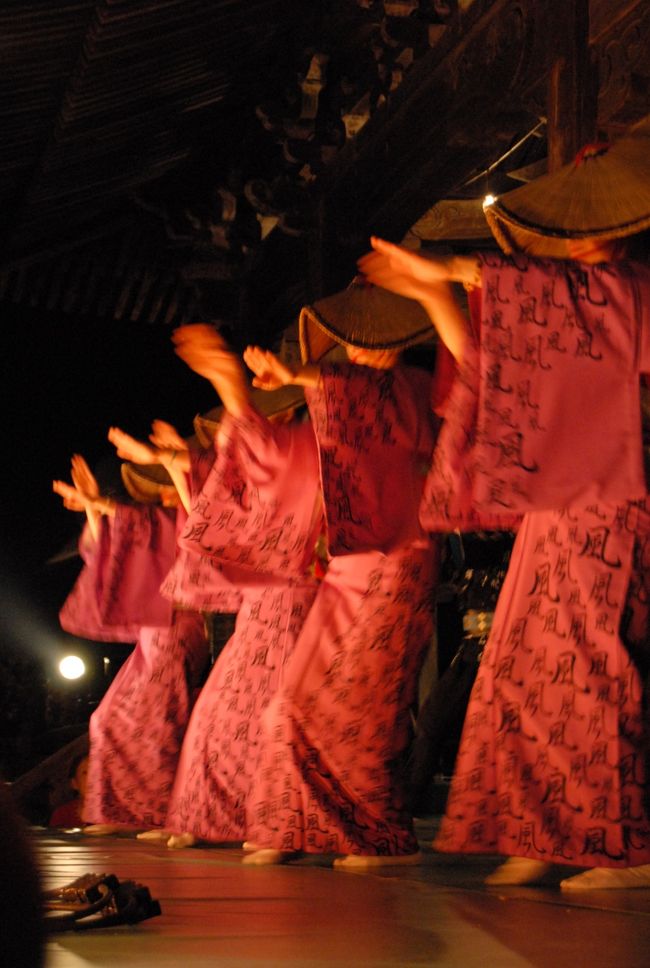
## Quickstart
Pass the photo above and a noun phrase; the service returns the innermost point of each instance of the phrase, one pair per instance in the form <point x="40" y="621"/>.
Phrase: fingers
<point x="71" y="499"/>
<point x="198" y="335"/>
<point x="254" y="358"/>
<point x="259" y="360"/>
<point x="165" y="435"/>
<point x="381" y="245"/>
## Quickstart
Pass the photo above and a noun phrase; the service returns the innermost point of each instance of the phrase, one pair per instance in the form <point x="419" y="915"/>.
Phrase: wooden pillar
<point x="573" y="86"/>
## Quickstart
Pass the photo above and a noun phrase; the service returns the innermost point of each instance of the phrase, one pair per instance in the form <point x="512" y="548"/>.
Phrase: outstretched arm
<point x="206" y="352"/>
<point x="176" y="462"/>
<point x="138" y="451"/>
<point x="174" y="455"/>
<point x="271" y="372"/>
<point x="165" y="436"/>
<point x="409" y="274"/>
<point x="420" y="269"/>
<point x="83" y="494"/>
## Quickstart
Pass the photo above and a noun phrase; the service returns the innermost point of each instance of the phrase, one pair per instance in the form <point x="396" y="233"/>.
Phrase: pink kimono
<point x="547" y="422"/>
<point x="248" y="544"/>
<point x="327" y="779"/>
<point x="137" y="729"/>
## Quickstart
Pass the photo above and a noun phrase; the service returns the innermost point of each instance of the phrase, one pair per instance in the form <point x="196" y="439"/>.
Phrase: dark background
<point x="65" y="380"/>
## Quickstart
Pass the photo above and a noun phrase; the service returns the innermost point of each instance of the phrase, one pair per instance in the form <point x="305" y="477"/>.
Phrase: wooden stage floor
<point x="217" y="913"/>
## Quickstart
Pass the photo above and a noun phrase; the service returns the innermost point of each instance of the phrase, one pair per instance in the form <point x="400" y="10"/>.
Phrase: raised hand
<point x="72" y="500"/>
<point x="166" y="437"/>
<point x="400" y="270"/>
<point x="83" y="478"/>
<point x="270" y="372"/>
<point x="206" y="352"/>
<point x="128" y="448"/>
<point x="411" y="274"/>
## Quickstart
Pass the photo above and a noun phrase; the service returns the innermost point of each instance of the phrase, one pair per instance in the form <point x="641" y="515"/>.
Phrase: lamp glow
<point x="72" y="667"/>
<point x="489" y="200"/>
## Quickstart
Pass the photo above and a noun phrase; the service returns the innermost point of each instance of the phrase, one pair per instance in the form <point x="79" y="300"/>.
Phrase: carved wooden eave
<point x="95" y="105"/>
<point x="461" y="106"/>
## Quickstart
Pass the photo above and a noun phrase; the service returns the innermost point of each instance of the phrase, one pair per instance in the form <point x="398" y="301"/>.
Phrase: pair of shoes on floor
<point x="97" y="901"/>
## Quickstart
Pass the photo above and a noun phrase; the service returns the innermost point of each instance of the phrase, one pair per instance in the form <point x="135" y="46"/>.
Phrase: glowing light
<point x="489" y="200"/>
<point x="72" y="667"/>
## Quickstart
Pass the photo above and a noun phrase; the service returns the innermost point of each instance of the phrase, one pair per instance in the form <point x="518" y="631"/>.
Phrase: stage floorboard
<point x="217" y="913"/>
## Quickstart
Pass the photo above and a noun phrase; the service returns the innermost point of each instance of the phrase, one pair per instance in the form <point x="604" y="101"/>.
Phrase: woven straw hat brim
<point x="270" y="403"/>
<point x="363" y="316"/>
<point x="145" y="482"/>
<point x="605" y="196"/>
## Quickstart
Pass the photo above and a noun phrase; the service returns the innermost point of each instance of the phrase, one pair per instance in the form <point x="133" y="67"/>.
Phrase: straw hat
<point x="146" y="482"/>
<point x="604" y="193"/>
<point x="270" y="403"/>
<point x="362" y="315"/>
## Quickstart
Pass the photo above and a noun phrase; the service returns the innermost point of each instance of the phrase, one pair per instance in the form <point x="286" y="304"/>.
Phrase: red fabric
<point x="375" y="435"/>
<point x="551" y="761"/>
<point x="546" y="411"/>
<point x="220" y="752"/>
<point x="80" y="614"/>
<point x="137" y="730"/>
<point x="327" y="779"/>
<point x="254" y="512"/>
<point x="117" y="591"/>
<point x="251" y="534"/>
<point x="545" y="419"/>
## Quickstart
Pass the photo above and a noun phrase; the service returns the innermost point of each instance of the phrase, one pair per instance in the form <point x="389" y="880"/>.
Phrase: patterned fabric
<point x="252" y="514"/>
<point x="556" y="338"/>
<point x="334" y="736"/>
<point x="375" y="438"/>
<point x="137" y="730"/>
<point x="328" y="778"/>
<point x="81" y="613"/>
<point x="249" y="543"/>
<point x="551" y="763"/>
<point x="222" y="744"/>
<point x="118" y="589"/>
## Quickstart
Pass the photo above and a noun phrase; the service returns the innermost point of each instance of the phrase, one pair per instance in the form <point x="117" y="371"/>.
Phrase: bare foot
<point x="518" y="870"/>
<point x="608" y="878"/>
<point x="179" y="841"/>
<point x="159" y="835"/>
<point x="105" y="829"/>
<point x="367" y="861"/>
<point x="269" y="856"/>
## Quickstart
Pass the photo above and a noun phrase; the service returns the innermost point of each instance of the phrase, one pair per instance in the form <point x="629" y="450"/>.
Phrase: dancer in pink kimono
<point x="137" y="730"/>
<point x="254" y="526"/>
<point x="336" y="734"/>
<point x="546" y="420"/>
